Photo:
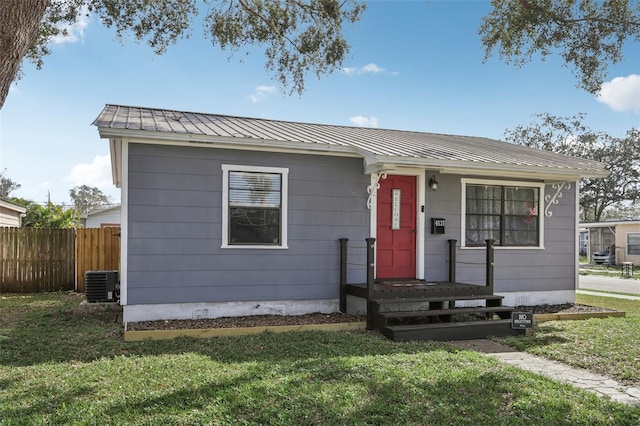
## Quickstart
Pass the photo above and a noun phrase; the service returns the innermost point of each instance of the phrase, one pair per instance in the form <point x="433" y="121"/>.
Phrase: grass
<point x="608" y="346"/>
<point x="62" y="363"/>
<point x="604" y="293"/>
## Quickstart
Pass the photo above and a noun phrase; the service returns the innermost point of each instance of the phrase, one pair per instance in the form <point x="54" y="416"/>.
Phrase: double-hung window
<point x="254" y="206"/>
<point x="507" y="212"/>
<point x="633" y="244"/>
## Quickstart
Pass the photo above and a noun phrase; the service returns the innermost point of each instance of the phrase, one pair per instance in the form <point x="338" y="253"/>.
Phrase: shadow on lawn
<point x="396" y="400"/>
<point x="539" y="336"/>
<point x="51" y="400"/>
<point x="347" y="392"/>
<point x="289" y="378"/>
<point x="69" y="332"/>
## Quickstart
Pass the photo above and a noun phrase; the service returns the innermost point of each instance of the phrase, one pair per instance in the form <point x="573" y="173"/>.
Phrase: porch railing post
<point x="371" y="306"/>
<point x="489" y="280"/>
<point x="343" y="274"/>
<point x="452" y="261"/>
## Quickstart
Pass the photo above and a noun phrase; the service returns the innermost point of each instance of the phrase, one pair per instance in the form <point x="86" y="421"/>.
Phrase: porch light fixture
<point x="433" y="183"/>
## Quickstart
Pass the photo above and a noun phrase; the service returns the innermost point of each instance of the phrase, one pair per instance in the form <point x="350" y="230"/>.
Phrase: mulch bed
<point x="247" y="321"/>
<point x="567" y="308"/>
<point x="315" y="318"/>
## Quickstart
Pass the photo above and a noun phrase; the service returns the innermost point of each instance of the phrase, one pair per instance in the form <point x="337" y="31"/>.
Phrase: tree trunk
<point x="19" y="23"/>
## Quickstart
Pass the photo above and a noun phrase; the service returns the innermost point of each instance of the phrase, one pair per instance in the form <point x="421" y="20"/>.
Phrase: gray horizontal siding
<point x="520" y="270"/>
<point x="175" y="227"/>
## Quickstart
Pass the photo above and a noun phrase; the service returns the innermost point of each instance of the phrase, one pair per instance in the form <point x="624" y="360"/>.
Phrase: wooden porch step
<point x="450" y="298"/>
<point x="450" y="331"/>
<point x="453" y="311"/>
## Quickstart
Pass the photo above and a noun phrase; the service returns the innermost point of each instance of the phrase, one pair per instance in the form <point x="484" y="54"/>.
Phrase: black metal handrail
<point x="489" y="263"/>
<point x="370" y="268"/>
<point x="370" y="265"/>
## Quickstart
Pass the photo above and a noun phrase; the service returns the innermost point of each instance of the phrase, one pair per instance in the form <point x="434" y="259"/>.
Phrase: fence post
<point x="371" y="307"/>
<point x="343" y="274"/>
<point x="452" y="261"/>
<point x="489" y="280"/>
<point x="612" y="255"/>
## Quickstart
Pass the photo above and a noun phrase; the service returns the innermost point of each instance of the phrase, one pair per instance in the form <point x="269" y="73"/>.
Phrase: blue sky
<point x="414" y="65"/>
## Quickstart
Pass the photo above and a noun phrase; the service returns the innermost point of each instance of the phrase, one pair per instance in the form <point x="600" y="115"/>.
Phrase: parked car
<point x="602" y="256"/>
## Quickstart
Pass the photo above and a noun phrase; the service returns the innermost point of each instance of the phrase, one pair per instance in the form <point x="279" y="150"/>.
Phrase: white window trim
<point x="284" y="172"/>
<point x="463" y="211"/>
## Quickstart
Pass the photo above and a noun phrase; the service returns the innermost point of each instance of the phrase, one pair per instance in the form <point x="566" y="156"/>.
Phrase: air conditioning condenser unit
<point x="102" y="286"/>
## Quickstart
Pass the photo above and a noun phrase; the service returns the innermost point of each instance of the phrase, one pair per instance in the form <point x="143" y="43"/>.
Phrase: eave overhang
<point x="373" y="163"/>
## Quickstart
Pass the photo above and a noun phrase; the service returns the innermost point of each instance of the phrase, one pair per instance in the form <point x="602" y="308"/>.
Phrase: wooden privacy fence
<point x="37" y="260"/>
<point x="97" y="249"/>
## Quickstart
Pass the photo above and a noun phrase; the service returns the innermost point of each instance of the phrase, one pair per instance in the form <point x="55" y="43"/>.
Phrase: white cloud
<point x="361" y="121"/>
<point x="372" y="68"/>
<point x="261" y="93"/>
<point x="97" y="173"/>
<point x="72" y="33"/>
<point x="367" y="69"/>
<point x="621" y="93"/>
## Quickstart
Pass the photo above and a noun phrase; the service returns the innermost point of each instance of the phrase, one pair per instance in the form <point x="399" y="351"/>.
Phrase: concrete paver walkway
<point x="601" y="385"/>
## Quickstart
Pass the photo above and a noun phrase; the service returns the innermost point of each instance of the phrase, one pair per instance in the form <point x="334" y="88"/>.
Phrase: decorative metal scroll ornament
<point x="555" y="199"/>
<point x="373" y="188"/>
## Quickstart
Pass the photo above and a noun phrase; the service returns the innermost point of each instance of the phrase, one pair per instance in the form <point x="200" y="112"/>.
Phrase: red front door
<point x="396" y="228"/>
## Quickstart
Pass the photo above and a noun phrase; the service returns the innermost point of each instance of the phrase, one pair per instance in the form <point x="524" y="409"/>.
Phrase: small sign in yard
<point x="520" y="320"/>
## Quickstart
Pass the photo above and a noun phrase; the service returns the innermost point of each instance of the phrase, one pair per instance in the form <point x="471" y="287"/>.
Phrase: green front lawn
<point x="61" y="363"/>
<point x="609" y="346"/>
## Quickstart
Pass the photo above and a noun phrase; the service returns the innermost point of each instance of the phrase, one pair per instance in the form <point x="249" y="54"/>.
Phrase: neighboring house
<point x="10" y="213"/>
<point x="108" y="217"/>
<point x="228" y="216"/>
<point x="624" y="236"/>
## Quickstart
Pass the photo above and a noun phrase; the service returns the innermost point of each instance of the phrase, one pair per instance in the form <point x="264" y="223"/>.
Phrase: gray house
<point x="230" y="216"/>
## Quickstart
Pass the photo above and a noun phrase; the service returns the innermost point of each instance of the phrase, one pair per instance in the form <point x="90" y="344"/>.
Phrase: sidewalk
<point x="605" y="294"/>
<point x="601" y="385"/>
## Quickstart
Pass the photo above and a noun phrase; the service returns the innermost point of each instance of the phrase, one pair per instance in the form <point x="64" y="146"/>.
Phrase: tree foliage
<point x="621" y="156"/>
<point x="50" y="216"/>
<point x="87" y="199"/>
<point x="299" y="36"/>
<point x="588" y="34"/>
<point x="7" y="186"/>
<point x="622" y="211"/>
<point x="20" y="201"/>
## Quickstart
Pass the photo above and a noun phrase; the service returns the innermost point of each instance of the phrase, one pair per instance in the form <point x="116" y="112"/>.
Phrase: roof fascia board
<point x="608" y="224"/>
<point x="479" y="169"/>
<point x="105" y="210"/>
<point x="552" y="173"/>
<point x="161" y="138"/>
<point x="12" y="206"/>
<point x="115" y="148"/>
<point x="523" y="172"/>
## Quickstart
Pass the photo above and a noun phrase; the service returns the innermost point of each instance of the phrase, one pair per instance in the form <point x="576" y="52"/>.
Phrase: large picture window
<point x="508" y="214"/>
<point x="254" y="206"/>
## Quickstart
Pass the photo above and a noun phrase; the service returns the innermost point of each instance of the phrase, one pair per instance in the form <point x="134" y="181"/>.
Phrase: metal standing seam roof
<point x="384" y="144"/>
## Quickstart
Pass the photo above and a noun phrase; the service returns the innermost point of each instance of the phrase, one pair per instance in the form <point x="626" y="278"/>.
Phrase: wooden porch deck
<point x="426" y="310"/>
<point x="417" y="289"/>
